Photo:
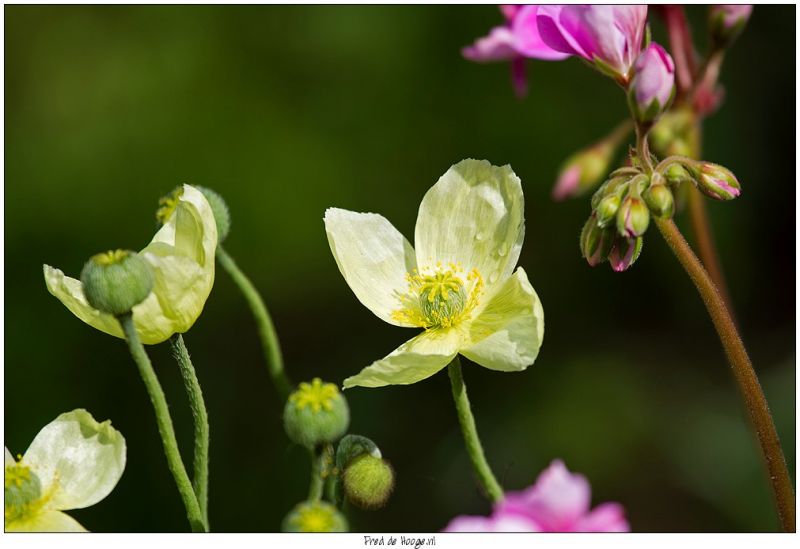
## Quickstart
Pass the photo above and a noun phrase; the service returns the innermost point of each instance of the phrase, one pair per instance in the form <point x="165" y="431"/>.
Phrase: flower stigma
<point x="439" y="297"/>
<point x="23" y="491"/>
<point x="316" y="395"/>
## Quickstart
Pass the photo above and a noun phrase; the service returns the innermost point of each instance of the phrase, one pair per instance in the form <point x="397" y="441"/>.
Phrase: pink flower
<point x="609" y="36"/>
<point x="513" y="41"/>
<point x="653" y="82"/>
<point x="557" y="502"/>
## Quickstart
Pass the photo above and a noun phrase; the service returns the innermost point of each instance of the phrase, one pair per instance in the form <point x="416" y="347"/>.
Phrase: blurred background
<point x="289" y="110"/>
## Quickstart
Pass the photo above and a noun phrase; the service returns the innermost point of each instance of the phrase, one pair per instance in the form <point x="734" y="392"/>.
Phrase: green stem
<point x="165" y="428"/>
<point x="315" y="489"/>
<point x="200" y="418"/>
<point x="750" y="388"/>
<point x="473" y="442"/>
<point x="266" y="330"/>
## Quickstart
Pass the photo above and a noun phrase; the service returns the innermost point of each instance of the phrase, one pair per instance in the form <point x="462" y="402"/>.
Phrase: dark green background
<point x="289" y="110"/>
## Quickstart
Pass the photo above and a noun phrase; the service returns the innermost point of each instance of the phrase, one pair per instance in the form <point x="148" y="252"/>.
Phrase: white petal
<point x="373" y="257"/>
<point x="508" y="332"/>
<point x="473" y="216"/>
<point x="415" y="360"/>
<point x="77" y="460"/>
<point x="9" y="459"/>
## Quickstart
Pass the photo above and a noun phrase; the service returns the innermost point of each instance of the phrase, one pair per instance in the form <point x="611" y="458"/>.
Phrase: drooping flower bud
<point x="726" y="22"/>
<point x="115" y="281"/>
<point x="316" y="412"/>
<point x="368" y="481"/>
<point x="583" y="170"/>
<point x="222" y="214"/>
<point x="653" y="83"/>
<point x="715" y="181"/>
<point x="314" y="516"/>
<point x="633" y="217"/>
<point x="607" y="210"/>
<point x="676" y="175"/>
<point x="624" y="252"/>
<point x="595" y="242"/>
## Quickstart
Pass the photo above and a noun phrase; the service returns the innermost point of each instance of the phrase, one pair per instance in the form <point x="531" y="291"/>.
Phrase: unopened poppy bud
<point x="315" y="413"/>
<point x="368" y="481"/>
<point x="222" y="214"/>
<point x="624" y="252"/>
<point x="314" y="516"/>
<point x="595" y="242"/>
<point x="633" y="217"/>
<point x="715" y="181"/>
<point x="726" y="22"/>
<point x="660" y="201"/>
<point x="116" y="281"/>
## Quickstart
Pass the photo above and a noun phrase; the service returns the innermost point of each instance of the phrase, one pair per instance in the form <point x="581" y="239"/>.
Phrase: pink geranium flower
<point x="559" y="501"/>
<point x="610" y="36"/>
<point x="513" y="41"/>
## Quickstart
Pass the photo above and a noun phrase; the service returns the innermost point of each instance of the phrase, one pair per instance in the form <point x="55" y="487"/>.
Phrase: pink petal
<point x="567" y="183"/>
<point x="528" y="42"/>
<point x="510" y="11"/>
<point x="495" y="523"/>
<point x="519" y="77"/>
<point x="556" y="502"/>
<point x="498" y="45"/>
<point x="557" y="34"/>
<point x="607" y="517"/>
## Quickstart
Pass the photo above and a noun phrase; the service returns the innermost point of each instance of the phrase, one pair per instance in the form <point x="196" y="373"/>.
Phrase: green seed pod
<point x="316" y="412"/>
<point x="314" y="516"/>
<point x="368" y="481"/>
<point x="116" y="281"/>
<point x="22" y="490"/>
<point x="222" y="214"/>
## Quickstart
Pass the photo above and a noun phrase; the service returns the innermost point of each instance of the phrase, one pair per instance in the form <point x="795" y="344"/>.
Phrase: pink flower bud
<point x="624" y="252"/>
<point x="652" y="84"/>
<point x="610" y="36"/>
<point x="716" y="181"/>
<point x="726" y="22"/>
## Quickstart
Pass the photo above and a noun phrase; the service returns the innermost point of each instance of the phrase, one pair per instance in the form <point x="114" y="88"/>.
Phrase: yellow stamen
<point x="316" y="395"/>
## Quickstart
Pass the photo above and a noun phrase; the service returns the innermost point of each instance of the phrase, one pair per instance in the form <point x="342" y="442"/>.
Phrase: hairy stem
<point x="165" y="428"/>
<point x="746" y="378"/>
<point x="200" y="419"/>
<point x="317" y="482"/>
<point x="473" y="442"/>
<point x="266" y="329"/>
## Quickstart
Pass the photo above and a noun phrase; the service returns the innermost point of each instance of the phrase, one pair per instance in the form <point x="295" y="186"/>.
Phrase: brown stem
<point x="746" y="378"/>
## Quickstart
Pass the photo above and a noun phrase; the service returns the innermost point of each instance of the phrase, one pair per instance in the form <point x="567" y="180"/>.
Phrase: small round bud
<point x="615" y="185"/>
<point x="595" y="242"/>
<point x="607" y="210"/>
<point x="660" y="201"/>
<point x="677" y="174"/>
<point x="625" y="252"/>
<point x="368" y="481"/>
<point x="316" y="412"/>
<point x="633" y="217"/>
<point x="222" y="214"/>
<point x="314" y="516"/>
<point x="715" y="181"/>
<point x="22" y="490"/>
<point x="116" y="281"/>
<point x="353" y="446"/>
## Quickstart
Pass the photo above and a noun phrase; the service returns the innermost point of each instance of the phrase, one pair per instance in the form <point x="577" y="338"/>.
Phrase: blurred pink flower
<point x="559" y="501"/>
<point x="732" y="14"/>
<point x="513" y="41"/>
<point x="608" y="35"/>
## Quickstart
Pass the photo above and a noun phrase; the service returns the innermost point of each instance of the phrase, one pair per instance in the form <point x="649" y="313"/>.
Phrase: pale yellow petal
<point x="415" y="360"/>
<point x="508" y="332"/>
<point x="46" y="521"/>
<point x="373" y="257"/>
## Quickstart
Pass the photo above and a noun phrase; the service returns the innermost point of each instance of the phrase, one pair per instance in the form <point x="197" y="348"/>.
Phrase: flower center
<point x="316" y="395"/>
<point x="111" y="257"/>
<point x="167" y="204"/>
<point x="439" y="297"/>
<point x="22" y="491"/>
